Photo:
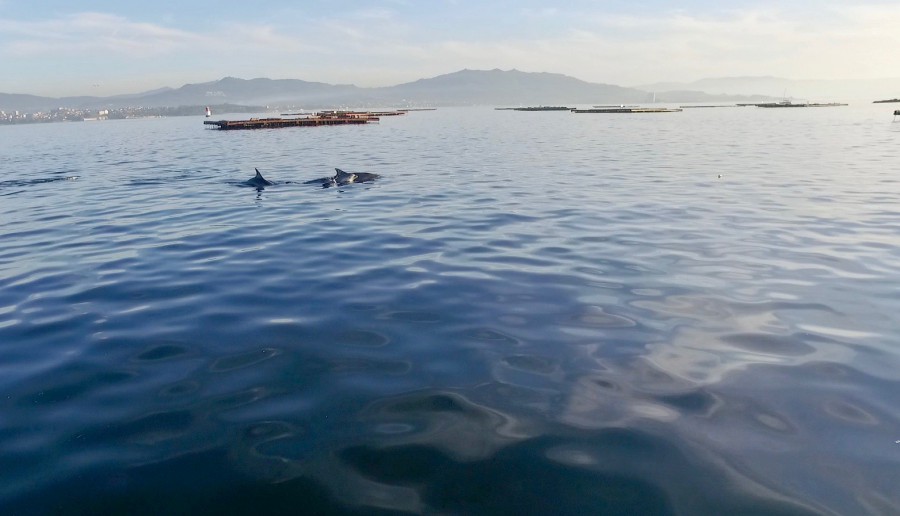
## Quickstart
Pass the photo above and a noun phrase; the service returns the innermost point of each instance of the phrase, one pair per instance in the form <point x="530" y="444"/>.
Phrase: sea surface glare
<point x="528" y="313"/>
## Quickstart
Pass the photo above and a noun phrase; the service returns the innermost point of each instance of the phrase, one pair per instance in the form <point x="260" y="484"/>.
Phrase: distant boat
<point x="208" y="112"/>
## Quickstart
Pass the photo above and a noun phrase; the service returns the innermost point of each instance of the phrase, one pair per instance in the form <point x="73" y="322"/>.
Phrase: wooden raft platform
<point x="542" y="108"/>
<point x="628" y="110"/>
<point x="316" y="120"/>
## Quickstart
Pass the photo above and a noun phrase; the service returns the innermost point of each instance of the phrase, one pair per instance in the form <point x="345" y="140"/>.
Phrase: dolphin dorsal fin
<point x="258" y="174"/>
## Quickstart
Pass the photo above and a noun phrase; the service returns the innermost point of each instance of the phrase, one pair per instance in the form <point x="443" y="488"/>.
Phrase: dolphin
<point x="341" y="178"/>
<point x="258" y="181"/>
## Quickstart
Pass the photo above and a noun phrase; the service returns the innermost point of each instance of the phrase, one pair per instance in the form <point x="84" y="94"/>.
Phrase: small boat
<point x="208" y="112"/>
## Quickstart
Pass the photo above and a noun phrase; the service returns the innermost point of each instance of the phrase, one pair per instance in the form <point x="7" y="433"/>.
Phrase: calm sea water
<point x="529" y="313"/>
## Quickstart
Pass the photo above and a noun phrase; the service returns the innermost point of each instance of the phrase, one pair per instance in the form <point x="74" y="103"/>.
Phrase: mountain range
<point x="807" y="89"/>
<point x="465" y="87"/>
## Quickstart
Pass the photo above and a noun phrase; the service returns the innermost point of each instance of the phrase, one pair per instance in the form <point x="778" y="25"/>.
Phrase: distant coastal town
<point x="64" y="114"/>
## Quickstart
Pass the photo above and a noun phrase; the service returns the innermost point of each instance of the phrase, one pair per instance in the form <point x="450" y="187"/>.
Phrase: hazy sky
<point x="71" y="47"/>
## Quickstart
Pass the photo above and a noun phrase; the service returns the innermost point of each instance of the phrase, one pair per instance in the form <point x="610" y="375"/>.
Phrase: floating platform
<point x="274" y="123"/>
<point x="789" y="104"/>
<point x="355" y="114"/>
<point x="319" y="119"/>
<point x="543" y="108"/>
<point x="628" y="110"/>
<point x="358" y="114"/>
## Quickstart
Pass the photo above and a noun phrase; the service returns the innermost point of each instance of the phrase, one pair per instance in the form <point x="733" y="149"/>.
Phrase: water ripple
<point x="528" y="313"/>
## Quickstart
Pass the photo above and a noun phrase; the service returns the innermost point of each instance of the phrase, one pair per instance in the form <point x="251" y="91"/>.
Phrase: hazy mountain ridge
<point x="806" y="89"/>
<point x="511" y="87"/>
<point x="465" y="87"/>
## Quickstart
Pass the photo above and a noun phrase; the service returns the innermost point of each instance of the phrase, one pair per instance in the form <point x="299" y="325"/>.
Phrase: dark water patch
<point x="832" y="370"/>
<point x="68" y="386"/>
<point x="431" y="403"/>
<point x="233" y="400"/>
<point x="773" y="422"/>
<point x="215" y="487"/>
<point x="413" y="316"/>
<point x="779" y="306"/>
<point x="509" y="484"/>
<point x="525" y="404"/>
<point x="492" y="336"/>
<point x="242" y="360"/>
<point x="181" y="389"/>
<point x="290" y="448"/>
<point x="147" y="182"/>
<point x="532" y="363"/>
<point x="606" y="384"/>
<point x="136" y="290"/>
<point x="162" y="352"/>
<point x="791" y="345"/>
<point x="361" y="307"/>
<point x="363" y="338"/>
<point x="111" y="229"/>
<point x="145" y="430"/>
<point x="555" y="251"/>
<point x="849" y="412"/>
<point x="649" y="377"/>
<point x="696" y="402"/>
<point x="448" y="421"/>
<point x="596" y="317"/>
<point x="613" y="472"/>
<point x="357" y="365"/>
<point x="264" y="431"/>
<point x="18" y="183"/>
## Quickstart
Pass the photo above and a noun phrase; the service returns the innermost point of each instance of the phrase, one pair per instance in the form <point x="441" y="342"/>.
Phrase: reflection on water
<point x="555" y="317"/>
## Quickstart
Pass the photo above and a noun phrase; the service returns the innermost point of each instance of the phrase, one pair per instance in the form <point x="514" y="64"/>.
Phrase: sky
<point x="70" y="47"/>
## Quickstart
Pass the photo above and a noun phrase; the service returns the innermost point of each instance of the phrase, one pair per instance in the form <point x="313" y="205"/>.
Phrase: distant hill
<point x="512" y="87"/>
<point x="813" y="90"/>
<point x="465" y="87"/>
<point x="26" y="103"/>
<point x="254" y="91"/>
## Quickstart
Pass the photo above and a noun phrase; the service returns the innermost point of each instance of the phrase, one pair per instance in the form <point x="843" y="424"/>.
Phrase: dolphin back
<point x="343" y="178"/>
<point x="258" y="180"/>
<point x="353" y="177"/>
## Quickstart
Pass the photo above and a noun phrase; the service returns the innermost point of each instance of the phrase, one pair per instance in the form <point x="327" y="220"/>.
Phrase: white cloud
<point x="840" y="43"/>
<point x="376" y="46"/>
<point x="545" y="12"/>
<point x="91" y="33"/>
